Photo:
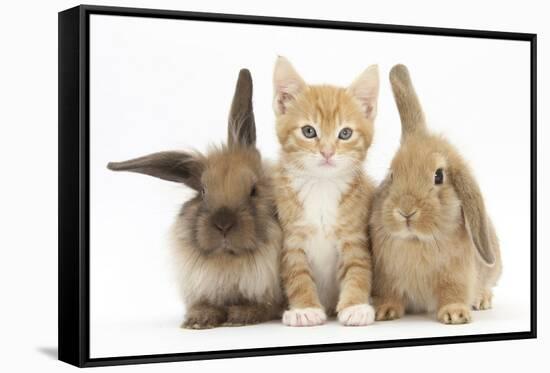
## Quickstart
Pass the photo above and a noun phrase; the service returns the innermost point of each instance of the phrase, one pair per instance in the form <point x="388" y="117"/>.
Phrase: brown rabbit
<point x="434" y="247"/>
<point x="226" y="240"/>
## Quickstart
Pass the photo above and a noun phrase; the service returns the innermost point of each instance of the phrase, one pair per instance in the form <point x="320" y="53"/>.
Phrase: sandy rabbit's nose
<point x="407" y="204"/>
<point x="224" y="219"/>
<point x="407" y="215"/>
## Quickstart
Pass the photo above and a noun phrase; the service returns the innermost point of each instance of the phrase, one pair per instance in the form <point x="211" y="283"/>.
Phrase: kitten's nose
<point x="327" y="153"/>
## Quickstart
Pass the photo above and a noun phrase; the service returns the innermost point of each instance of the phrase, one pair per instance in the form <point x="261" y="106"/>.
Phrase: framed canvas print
<point x="234" y="186"/>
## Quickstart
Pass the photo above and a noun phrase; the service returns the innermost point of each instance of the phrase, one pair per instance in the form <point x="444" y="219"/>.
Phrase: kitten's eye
<point x="253" y="191"/>
<point x="345" y="133"/>
<point x="438" y="178"/>
<point x="309" y="132"/>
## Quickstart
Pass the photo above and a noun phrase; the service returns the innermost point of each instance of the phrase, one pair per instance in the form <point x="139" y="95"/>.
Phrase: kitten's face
<point x="324" y="130"/>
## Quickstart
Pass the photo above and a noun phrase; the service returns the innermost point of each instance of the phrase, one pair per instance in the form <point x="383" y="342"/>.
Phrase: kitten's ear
<point x="287" y="84"/>
<point x="365" y="89"/>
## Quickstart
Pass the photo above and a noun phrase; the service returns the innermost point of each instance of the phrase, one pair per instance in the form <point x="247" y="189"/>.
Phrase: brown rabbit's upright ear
<point x="242" y="128"/>
<point x="473" y="209"/>
<point x="410" y="110"/>
<point x="172" y="166"/>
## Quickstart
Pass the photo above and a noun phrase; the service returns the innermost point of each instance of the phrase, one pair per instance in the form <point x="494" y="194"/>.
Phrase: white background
<point x="29" y="190"/>
<point x="159" y="84"/>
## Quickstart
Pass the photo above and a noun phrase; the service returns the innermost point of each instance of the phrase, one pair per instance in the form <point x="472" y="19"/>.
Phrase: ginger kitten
<point x="322" y="195"/>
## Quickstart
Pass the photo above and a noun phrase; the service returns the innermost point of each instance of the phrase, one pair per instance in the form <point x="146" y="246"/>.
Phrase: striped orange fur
<point x="323" y="196"/>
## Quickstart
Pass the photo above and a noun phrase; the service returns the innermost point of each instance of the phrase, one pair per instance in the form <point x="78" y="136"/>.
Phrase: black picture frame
<point x="74" y="320"/>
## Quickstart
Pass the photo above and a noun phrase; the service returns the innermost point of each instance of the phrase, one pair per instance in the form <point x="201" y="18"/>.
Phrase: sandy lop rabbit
<point x="434" y="246"/>
<point x="226" y="239"/>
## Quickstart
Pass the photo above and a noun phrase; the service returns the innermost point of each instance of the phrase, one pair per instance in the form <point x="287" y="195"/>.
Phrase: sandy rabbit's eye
<point x="253" y="191"/>
<point x="203" y="191"/>
<point x="309" y="132"/>
<point x="345" y="133"/>
<point x="438" y="178"/>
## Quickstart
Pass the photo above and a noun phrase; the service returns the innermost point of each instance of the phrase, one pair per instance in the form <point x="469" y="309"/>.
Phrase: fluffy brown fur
<point x="322" y="194"/>
<point x="226" y="240"/>
<point x="434" y="246"/>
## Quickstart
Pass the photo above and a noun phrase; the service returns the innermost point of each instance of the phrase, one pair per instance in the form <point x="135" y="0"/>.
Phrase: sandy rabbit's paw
<point x="357" y="315"/>
<point x="484" y="302"/>
<point x="454" y="313"/>
<point x="389" y="311"/>
<point x="304" y="317"/>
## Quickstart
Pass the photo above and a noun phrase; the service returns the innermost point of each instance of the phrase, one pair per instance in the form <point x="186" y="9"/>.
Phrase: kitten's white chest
<point x="320" y="201"/>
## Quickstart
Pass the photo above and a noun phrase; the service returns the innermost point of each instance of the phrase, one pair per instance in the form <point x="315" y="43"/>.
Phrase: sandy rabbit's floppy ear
<point x="410" y="110"/>
<point x="474" y="212"/>
<point x="242" y="128"/>
<point x="365" y="89"/>
<point x="172" y="166"/>
<point x="287" y="84"/>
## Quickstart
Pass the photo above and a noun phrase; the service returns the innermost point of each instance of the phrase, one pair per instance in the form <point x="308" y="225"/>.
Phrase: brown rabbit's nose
<point x="224" y="219"/>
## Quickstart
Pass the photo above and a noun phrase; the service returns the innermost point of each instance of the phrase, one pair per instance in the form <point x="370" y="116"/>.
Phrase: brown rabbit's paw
<point x="245" y="315"/>
<point x="484" y="302"/>
<point x="389" y="311"/>
<point x="454" y="313"/>
<point x="204" y="318"/>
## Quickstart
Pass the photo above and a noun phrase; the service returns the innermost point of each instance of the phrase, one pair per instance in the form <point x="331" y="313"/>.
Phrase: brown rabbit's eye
<point x="253" y="191"/>
<point x="309" y="131"/>
<point x="438" y="178"/>
<point x="203" y="191"/>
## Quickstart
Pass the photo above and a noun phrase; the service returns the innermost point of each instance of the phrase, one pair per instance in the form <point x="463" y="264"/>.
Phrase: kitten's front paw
<point x="358" y="315"/>
<point x="304" y="317"/>
<point x="454" y="313"/>
<point x="389" y="311"/>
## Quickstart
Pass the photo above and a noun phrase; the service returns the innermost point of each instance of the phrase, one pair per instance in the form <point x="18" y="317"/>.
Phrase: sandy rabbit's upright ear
<point x="172" y="166"/>
<point x="242" y="128"/>
<point x="287" y="84"/>
<point x="365" y="89"/>
<point x="473" y="209"/>
<point x="410" y="110"/>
